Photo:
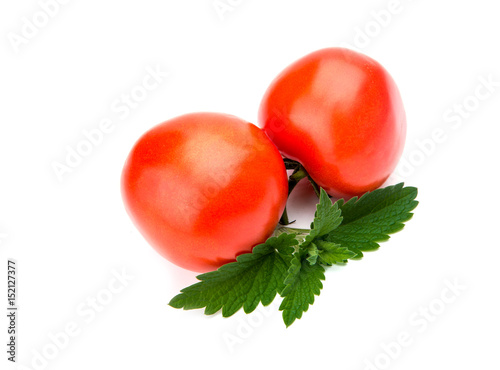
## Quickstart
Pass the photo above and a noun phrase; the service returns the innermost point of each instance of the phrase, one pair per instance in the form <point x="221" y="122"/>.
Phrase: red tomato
<point x="203" y="188"/>
<point x="340" y="114"/>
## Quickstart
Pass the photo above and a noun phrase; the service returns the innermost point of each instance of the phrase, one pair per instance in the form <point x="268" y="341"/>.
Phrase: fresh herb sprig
<point x="292" y="264"/>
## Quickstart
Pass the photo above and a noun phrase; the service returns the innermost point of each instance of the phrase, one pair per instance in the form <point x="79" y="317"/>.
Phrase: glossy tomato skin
<point x="340" y="114"/>
<point x="203" y="188"/>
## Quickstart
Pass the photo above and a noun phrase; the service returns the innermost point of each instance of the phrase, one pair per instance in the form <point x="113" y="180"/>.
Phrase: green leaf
<point x="254" y="277"/>
<point x="299" y="294"/>
<point x="326" y="218"/>
<point x="313" y="253"/>
<point x="304" y="276"/>
<point x="371" y="218"/>
<point x="330" y="253"/>
<point x="293" y="270"/>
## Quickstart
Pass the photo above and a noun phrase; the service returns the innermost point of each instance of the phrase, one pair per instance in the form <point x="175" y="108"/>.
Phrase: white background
<point x="70" y="237"/>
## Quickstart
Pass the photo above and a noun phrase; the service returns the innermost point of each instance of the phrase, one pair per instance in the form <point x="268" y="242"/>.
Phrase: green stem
<point x="290" y="164"/>
<point x="299" y="233"/>
<point x="315" y="186"/>
<point x="298" y="174"/>
<point x="294" y="230"/>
